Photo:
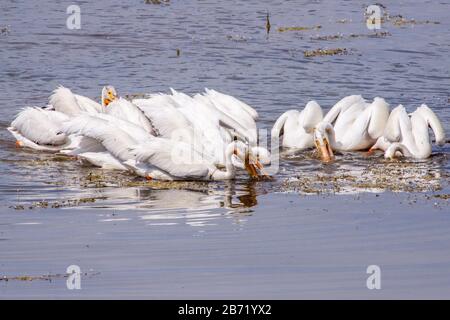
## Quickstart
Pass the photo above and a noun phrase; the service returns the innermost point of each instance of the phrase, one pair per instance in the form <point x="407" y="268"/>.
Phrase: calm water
<point x="241" y="239"/>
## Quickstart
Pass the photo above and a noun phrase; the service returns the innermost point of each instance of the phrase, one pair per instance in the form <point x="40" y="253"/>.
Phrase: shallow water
<point x="310" y="232"/>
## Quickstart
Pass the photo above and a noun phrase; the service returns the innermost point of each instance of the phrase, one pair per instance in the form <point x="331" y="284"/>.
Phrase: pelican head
<point x="322" y="133"/>
<point x="250" y="162"/>
<point x="109" y="94"/>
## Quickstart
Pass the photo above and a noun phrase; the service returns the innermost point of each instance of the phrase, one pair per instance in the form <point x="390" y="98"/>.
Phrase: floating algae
<point x="398" y="19"/>
<point x="45" y="277"/>
<point x="329" y="37"/>
<point x="157" y="1"/>
<point x="58" y="204"/>
<point x="284" y="29"/>
<point x="325" y="52"/>
<point x="5" y="30"/>
<point x="402" y="22"/>
<point x="442" y="196"/>
<point x="381" y="34"/>
<point x="236" y="38"/>
<point x="374" y="177"/>
<point x="268" y="26"/>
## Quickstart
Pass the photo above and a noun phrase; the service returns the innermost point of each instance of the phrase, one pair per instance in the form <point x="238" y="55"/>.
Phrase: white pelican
<point x="124" y="109"/>
<point x="296" y="127"/>
<point x="130" y="146"/>
<point x="65" y="101"/>
<point x="351" y="125"/>
<point x="200" y="122"/>
<point x="39" y="129"/>
<point x="239" y="111"/>
<point x="408" y="135"/>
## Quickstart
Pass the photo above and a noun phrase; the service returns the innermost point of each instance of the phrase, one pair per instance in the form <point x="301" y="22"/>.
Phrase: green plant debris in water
<point x="5" y="30"/>
<point x="236" y="38"/>
<point x="325" y="52"/>
<point x="45" y="277"/>
<point x="376" y="177"/>
<point x="328" y="37"/>
<point x="58" y="204"/>
<point x="398" y="19"/>
<point x="157" y="1"/>
<point x="402" y="22"/>
<point x="285" y="29"/>
<point x="268" y="25"/>
<point x="442" y="196"/>
<point x="380" y="34"/>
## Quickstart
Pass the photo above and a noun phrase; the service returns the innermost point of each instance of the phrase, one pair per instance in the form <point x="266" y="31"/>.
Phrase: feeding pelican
<point x="131" y="147"/>
<point x="296" y="127"/>
<point x="204" y="121"/>
<point x="40" y="128"/>
<point x="408" y="136"/>
<point x="351" y="125"/>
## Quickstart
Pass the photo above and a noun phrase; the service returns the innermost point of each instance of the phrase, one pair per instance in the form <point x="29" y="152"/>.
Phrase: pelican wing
<point x="230" y="104"/>
<point x="114" y="139"/>
<point x="126" y="110"/>
<point x="163" y="112"/>
<point x="241" y="124"/>
<point x="341" y="106"/>
<point x="80" y="144"/>
<point x="88" y="104"/>
<point x="102" y="159"/>
<point x="40" y="126"/>
<point x="175" y="158"/>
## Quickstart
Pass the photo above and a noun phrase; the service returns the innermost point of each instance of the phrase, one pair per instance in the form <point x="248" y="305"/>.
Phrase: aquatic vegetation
<point x="285" y="29"/>
<point x="268" y="26"/>
<point x="325" y="52"/>
<point x="45" y="277"/>
<point x="400" y="21"/>
<point x="5" y="30"/>
<point x="383" y="176"/>
<point x="380" y="34"/>
<point x="157" y="1"/>
<point x="237" y="38"/>
<point x="328" y="37"/>
<point x="442" y="196"/>
<point x="58" y="204"/>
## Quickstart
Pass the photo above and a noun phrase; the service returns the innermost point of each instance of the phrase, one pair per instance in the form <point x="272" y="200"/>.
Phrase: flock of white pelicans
<point x="210" y="136"/>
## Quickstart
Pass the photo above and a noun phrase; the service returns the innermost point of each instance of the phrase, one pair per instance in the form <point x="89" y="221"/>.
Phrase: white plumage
<point x="296" y="127"/>
<point x="408" y="135"/>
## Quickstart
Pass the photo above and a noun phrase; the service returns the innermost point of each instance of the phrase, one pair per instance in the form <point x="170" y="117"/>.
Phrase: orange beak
<point x="106" y="101"/>
<point x="252" y="165"/>
<point x="325" y="151"/>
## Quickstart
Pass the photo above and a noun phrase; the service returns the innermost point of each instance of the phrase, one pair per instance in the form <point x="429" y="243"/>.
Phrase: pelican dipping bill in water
<point x="129" y="147"/>
<point x="351" y="125"/>
<point x="408" y="135"/>
<point x="296" y="127"/>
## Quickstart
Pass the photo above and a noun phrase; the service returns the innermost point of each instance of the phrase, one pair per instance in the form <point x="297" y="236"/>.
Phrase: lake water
<point x="311" y="232"/>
